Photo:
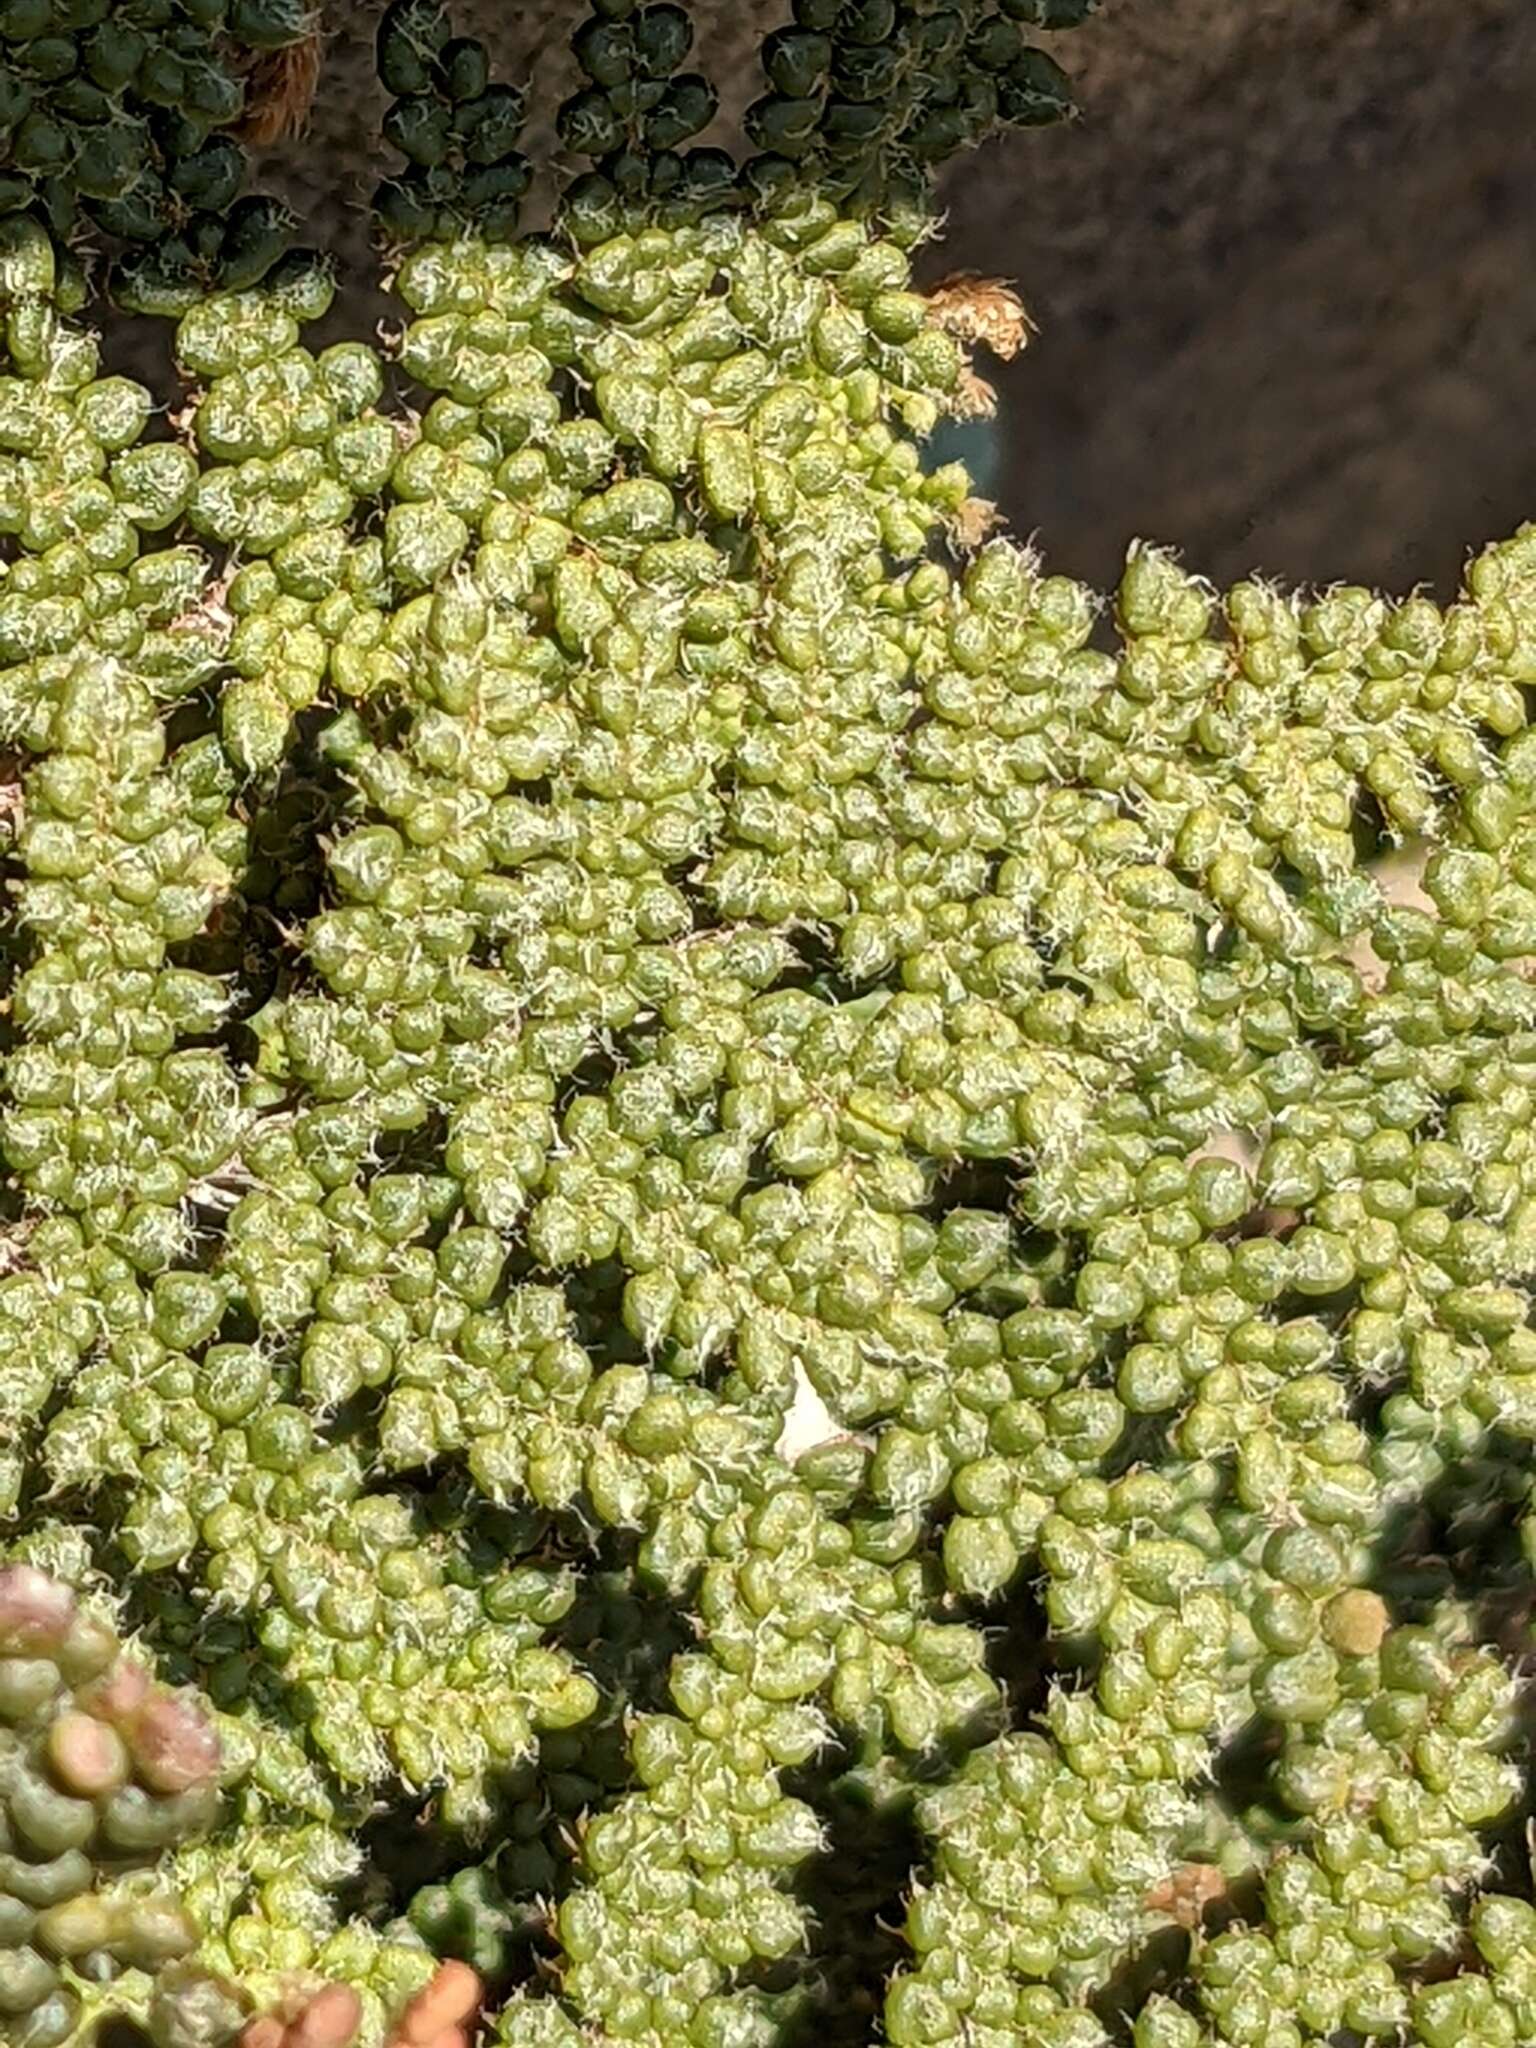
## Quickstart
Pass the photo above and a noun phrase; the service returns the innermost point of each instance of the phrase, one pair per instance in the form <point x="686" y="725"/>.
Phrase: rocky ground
<point x="1282" y="269"/>
<point x="1283" y="276"/>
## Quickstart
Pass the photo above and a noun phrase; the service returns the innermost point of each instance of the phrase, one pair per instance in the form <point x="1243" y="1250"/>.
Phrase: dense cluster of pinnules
<point x="126" y="117"/>
<point x="570" y="911"/>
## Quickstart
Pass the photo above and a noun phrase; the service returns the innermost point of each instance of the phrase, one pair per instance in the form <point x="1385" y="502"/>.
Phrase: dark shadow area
<point x="856" y="1892"/>
<point x="253" y="936"/>
<point x="119" y="2032"/>
<point x="1461" y="1540"/>
<point x="1159" y="1965"/>
<point x="1021" y="1654"/>
<point x="1240" y="1768"/>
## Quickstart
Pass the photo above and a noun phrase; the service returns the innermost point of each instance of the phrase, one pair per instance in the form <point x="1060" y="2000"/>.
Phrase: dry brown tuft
<point x="973" y="398"/>
<point x="279" y="93"/>
<point x="984" y="309"/>
<point x="973" y="520"/>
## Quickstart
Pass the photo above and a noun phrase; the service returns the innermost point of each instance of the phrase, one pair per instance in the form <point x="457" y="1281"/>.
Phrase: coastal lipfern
<point x="780" y="1281"/>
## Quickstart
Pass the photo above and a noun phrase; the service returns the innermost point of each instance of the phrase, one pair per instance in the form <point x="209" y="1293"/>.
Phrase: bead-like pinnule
<point x="88" y="1755"/>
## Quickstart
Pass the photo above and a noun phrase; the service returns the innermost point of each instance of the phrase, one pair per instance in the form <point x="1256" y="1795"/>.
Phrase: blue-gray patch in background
<point x="976" y="443"/>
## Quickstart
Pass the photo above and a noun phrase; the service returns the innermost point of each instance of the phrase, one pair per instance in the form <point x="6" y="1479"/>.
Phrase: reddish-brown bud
<point x="174" y="1744"/>
<point x="118" y="1695"/>
<point x="35" y="1610"/>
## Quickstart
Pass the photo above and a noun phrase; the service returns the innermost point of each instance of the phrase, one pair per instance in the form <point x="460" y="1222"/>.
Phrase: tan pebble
<point x="1239" y="1147"/>
<point x="446" y="2002"/>
<point x="1356" y="1622"/>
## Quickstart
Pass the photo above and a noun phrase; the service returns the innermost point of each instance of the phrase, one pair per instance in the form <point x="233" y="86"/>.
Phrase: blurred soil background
<point x="1284" y="270"/>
